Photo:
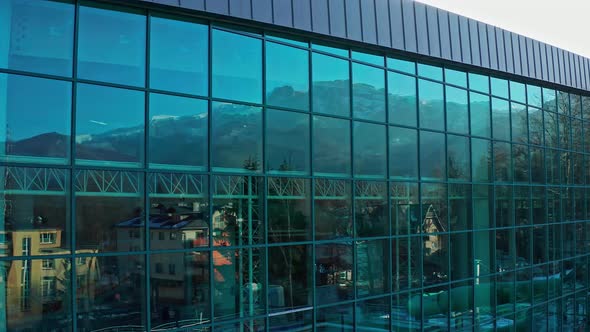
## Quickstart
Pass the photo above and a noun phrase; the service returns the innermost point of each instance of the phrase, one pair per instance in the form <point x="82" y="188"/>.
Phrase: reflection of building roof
<point x="168" y="221"/>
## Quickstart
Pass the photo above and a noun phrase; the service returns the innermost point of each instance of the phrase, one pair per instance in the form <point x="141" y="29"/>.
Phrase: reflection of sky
<point x="286" y="66"/>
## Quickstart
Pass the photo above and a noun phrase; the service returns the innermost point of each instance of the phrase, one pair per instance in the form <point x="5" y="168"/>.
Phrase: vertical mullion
<point x="211" y="178"/>
<point x="146" y="200"/>
<point x="265" y="185"/>
<point x="312" y="188"/>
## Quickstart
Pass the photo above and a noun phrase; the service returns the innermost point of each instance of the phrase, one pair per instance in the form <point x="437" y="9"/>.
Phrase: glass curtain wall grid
<point x="160" y="172"/>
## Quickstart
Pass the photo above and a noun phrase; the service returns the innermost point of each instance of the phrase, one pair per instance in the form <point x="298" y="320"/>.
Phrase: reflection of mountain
<point x="48" y="144"/>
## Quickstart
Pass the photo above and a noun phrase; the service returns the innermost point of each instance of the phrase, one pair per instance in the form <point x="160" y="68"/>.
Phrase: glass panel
<point x="179" y="211"/>
<point x="482" y="206"/>
<point x="178" y="132"/>
<point x="237" y="137"/>
<point x="368" y="92"/>
<point x="403" y="153"/>
<point x="535" y="118"/>
<point x="368" y="58"/>
<point x="456" y="77"/>
<point x="238" y="210"/>
<point x="461" y="258"/>
<point x="37" y="36"/>
<point x="519" y="123"/>
<point x="297" y="321"/>
<point x="499" y="87"/>
<point x="35" y="216"/>
<point x="180" y="293"/>
<point x="290" y="278"/>
<point x="504" y="206"/>
<point x="111" y="46"/>
<point x="500" y="119"/>
<point x="331" y="139"/>
<point x="551" y="129"/>
<point x="586" y="107"/>
<point x="331" y="85"/>
<point x="520" y="162"/>
<point x="505" y="247"/>
<point x="502" y="162"/>
<point x="109" y="126"/>
<point x="460" y="208"/>
<point x="370" y="151"/>
<point x="549" y="100"/>
<point x="178" y="63"/>
<point x="406" y="259"/>
<point x="435" y="265"/>
<point x="485" y="248"/>
<point x="534" y="97"/>
<point x="372" y="258"/>
<point x="479" y="83"/>
<point x="288" y="39"/>
<point x="334" y="273"/>
<point x="402" y="65"/>
<point x="522" y="205"/>
<point x="405" y="209"/>
<point x="481" y="122"/>
<point x="432" y="114"/>
<point x="287" y="76"/>
<point x="576" y="106"/>
<point x="333" y="209"/>
<point x="289" y="209"/>
<point x="564" y="132"/>
<point x="434" y="209"/>
<point x="429" y="71"/>
<point x="481" y="160"/>
<point x="432" y="155"/>
<point x="330" y="49"/>
<point x="406" y="313"/>
<point x="237" y="71"/>
<point x="287" y="142"/>
<point x="517" y="92"/>
<point x="458" y="158"/>
<point x="111" y="293"/>
<point x="402" y="99"/>
<point x="109" y="211"/>
<point x="563" y="103"/>
<point x="238" y="283"/>
<point x="370" y="201"/>
<point x="457" y="110"/>
<point x="254" y="325"/>
<point x="373" y="314"/>
<point x="35" y="115"/>
<point x="336" y="318"/>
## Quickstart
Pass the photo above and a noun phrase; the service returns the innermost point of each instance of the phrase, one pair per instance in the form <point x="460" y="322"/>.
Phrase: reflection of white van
<point x="276" y="296"/>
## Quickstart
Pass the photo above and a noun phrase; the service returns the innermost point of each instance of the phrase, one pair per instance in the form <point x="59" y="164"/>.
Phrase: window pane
<point x="287" y="142"/>
<point x="109" y="126"/>
<point x="330" y="49"/>
<point x="237" y="70"/>
<point x="481" y="123"/>
<point x="520" y="161"/>
<point x="36" y="213"/>
<point x="534" y="96"/>
<point x="502" y="162"/>
<point x="434" y="209"/>
<point x="372" y="263"/>
<point x="370" y="158"/>
<point x="458" y="158"/>
<point x="179" y="216"/>
<point x="109" y="211"/>
<point x="404" y="208"/>
<point x="331" y="139"/>
<point x="289" y="210"/>
<point x="334" y="273"/>
<point x="111" y="46"/>
<point x="402" y="99"/>
<point x="301" y="320"/>
<point x="333" y="209"/>
<point x="290" y="277"/>
<point x="370" y="200"/>
<point x="368" y="92"/>
<point x="535" y="118"/>
<point x="287" y="76"/>
<point x="519" y="123"/>
<point x="500" y="119"/>
<point x="537" y="165"/>
<point x="481" y="160"/>
<point x="432" y="155"/>
<point x="181" y="292"/>
<point x="499" y="87"/>
<point x="406" y="255"/>
<point x="237" y="137"/>
<point x="504" y="210"/>
<point x="37" y="36"/>
<point x="178" y="132"/>
<point x="483" y="217"/>
<point x="30" y="133"/>
<point x="479" y="83"/>
<point x="549" y="100"/>
<point x="403" y="153"/>
<point x="517" y="92"/>
<point x="432" y="113"/>
<point x="331" y="85"/>
<point x="551" y="125"/>
<point x="457" y="111"/>
<point x="461" y="259"/>
<point x="456" y="77"/>
<point x="368" y="58"/>
<point x="402" y="65"/>
<point x="178" y="63"/>
<point x="429" y="71"/>
<point x="372" y="314"/>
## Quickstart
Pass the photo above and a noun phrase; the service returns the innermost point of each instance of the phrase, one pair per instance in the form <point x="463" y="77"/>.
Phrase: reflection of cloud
<point x="99" y="122"/>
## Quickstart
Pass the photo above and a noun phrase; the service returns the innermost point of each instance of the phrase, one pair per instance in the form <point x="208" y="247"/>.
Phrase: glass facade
<point x="160" y="172"/>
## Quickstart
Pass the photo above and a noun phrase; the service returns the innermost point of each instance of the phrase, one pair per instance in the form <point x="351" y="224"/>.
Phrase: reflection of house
<point x="432" y="224"/>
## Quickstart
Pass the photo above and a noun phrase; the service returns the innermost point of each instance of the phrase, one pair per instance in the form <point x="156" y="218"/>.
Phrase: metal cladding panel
<point x="193" y="4"/>
<point x="567" y="68"/>
<point x="433" y="32"/>
<point x="492" y="48"/>
<point x="217" y="7"/>
<point x="382" y="15"/>
<point x="455" y="34"/>
<point x="409" y="26"/>
<point x="537" y="57"/>
<point x="421" y="28"/>
<point x="465" y="43"/>
<point x="524" y="61"/>
<point x="508" y="51"/>
<point x="483" y="44"/>
<point x="543" y="53"/>
<point x="302" y="15"/>
<point x="561" y="65"/>
<point x="474" y="39"/>
<point x="282" y="12"/>
<point x="396" y="24"/>
<point x="337" y="18"/>
<point x="501" y="50"/>
<point x="353" y="20"/>
<point x="530" y="57"/>
<point x="445" y="37"/>
<point x="242" y="9"/>
<point x="167" y="2"/>
<point x="550" y="64"/>
<point x="516" y="54"/>
<point x="319" y="16"/>
<point x="586" y="73"/>
<point x="368" y="21"/>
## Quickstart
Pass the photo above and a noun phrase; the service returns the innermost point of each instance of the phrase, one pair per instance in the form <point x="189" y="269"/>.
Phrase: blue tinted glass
<point x="368" y="58"/>
<point x="534" y="96"/>
<point x="288" y="41"/>
<point x="481" y="160"/>
<point x="37" y="36"/>
<point x="178" y="63"/>
<point x="402" y="65"/>
<point x="178" y="132"/>
<point x="458" y="159"/>
<point x="236" y="132"/>
<point x="368" y="92"/>
<point x="479" y="83"/>
<point x="111" y="46"/>
<point x="331" y="141"/>
<point x="403" y="153"/>
<point x="481" y="122"/>
<point x="499" y="87"/>
<point x="456" y="77"/>
<point x="369" y="150"/>
<point x="549" y="100"/>
<point x="431" y="105"/>
<point x="36" y="114"/>
<point x="287" y="142"/>
<point x="331" y="88"/>
<point x="109" y="126"/>
<point x="237" y="67"/>
<point x="519" y="123"/>
<point x="500" y="119"/>
<point x="432" y="155"/>
<point x="429" y="71"/>
<point x="402" y="99"/>
<point x="535" y="118"/>
<point x="287" y="76"/>
<point x="332" y="50"/>
<point x="517" y="92"/>
<point x="457" y="110"/>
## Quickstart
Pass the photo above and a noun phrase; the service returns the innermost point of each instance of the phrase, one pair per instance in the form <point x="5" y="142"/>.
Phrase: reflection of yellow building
<point x="39" y="288"/>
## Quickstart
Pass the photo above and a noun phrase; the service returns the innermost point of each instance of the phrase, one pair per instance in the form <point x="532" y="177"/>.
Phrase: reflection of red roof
<point x="219" y="259"/>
